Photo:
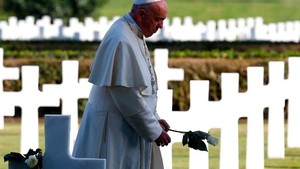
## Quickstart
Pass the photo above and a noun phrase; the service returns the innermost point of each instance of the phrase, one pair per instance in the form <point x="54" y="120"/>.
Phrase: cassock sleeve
<point x="157" y="116"/>
<point x="136" y="112"/>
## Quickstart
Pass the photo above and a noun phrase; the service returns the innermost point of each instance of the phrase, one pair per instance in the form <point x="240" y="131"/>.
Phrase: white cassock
<point x="120" y="121"/>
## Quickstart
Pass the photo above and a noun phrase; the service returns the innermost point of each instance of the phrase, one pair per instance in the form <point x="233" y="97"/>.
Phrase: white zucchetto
<point x="139" y="2"/>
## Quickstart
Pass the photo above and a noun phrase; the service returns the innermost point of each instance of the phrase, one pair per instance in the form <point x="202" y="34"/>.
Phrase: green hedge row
<point x="215" y="53"/>
<point x="80" y="50"/>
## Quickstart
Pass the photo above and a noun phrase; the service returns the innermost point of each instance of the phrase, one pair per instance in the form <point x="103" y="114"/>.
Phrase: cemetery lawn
<point x="10" y="142"/>
<point x="204" y="10"/>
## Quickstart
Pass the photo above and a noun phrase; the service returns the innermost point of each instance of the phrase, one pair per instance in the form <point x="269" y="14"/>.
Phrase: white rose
<point x="31" y="161"/>
<point x="212" y="140"/>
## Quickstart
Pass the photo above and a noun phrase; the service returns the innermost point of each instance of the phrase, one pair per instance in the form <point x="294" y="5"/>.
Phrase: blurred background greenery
<point x="203" y="10"/>
<point x="200" y="10"/>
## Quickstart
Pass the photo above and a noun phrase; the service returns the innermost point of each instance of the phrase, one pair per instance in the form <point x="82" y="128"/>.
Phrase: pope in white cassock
<point x="120" y="122"/>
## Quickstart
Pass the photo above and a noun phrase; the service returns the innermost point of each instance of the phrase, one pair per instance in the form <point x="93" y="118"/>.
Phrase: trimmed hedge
<point x="80" y="50"/>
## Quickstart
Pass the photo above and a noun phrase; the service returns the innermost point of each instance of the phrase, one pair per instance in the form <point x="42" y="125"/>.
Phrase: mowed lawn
<point x="204" y="10"/>
<point x="10" y="141"/>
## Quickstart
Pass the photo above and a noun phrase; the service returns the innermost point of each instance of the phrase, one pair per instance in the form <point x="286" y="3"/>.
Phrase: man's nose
<point x="161" y="24"/>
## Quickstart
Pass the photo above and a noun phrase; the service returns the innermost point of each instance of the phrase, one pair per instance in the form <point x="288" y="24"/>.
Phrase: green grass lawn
<point x="10" y="141"/>
<point x="203" y="10"/>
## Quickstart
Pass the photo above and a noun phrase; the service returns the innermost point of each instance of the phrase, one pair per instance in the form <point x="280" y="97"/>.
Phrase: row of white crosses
<point x="224" y="114"/>
<point x="202" y="115"/>
<point x="241" y="29"/>
<point x="30" y="98"/>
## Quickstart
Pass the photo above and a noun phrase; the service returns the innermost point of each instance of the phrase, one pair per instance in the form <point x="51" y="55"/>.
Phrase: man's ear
<point x="142" y="13"/>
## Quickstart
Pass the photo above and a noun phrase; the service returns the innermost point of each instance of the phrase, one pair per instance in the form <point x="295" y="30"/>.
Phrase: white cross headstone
<point x="232" y="30"/>
<point x="222" y="30"/>
<point x="69" y="91"/>
<point x="7" y="108"/>
<point x="254" y="105"/>
<point x="165" y="74"/>
<point x="226" y="116"/>
<point x="293" y="137"/>
<point x="30" y="98"/>
<point x="188" y="120"/>
<point x="211" y="30"/>
<point x="57" y="156"/>
<point x="276" y="146"/>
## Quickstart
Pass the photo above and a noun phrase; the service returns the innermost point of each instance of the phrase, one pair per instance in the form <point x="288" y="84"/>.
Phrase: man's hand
<point x="163" y="140"/>
<point x="163" y="123"/>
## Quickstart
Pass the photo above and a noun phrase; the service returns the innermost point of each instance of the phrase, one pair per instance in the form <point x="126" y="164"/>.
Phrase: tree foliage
<point x="55" y="8"/>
